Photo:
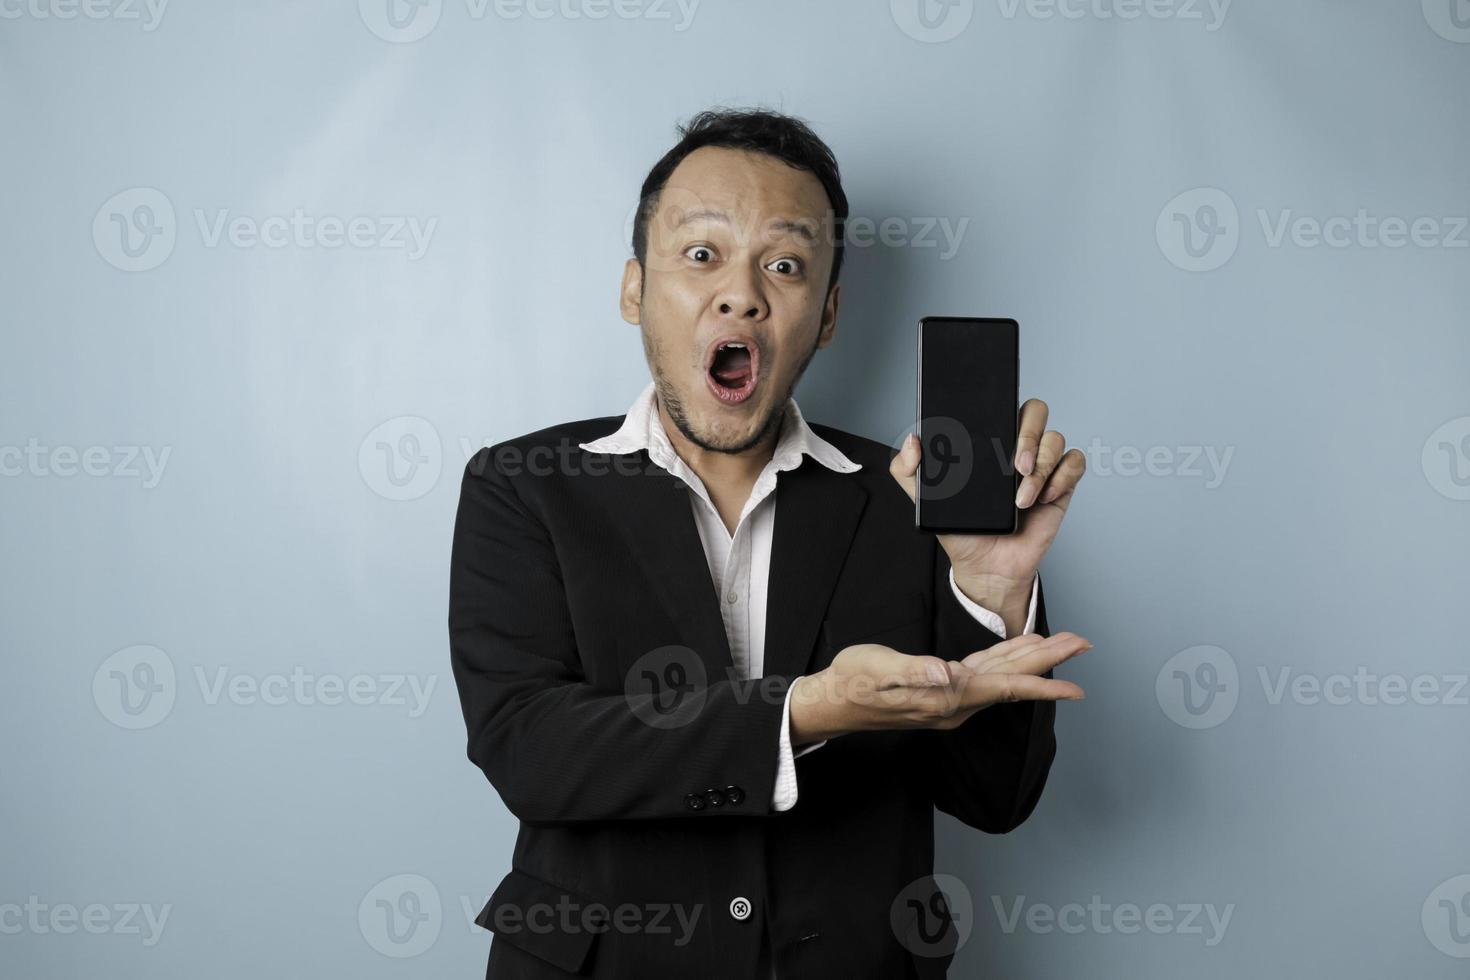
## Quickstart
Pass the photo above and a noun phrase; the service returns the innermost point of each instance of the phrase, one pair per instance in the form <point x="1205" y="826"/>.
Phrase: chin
<point x="737" y="435"/>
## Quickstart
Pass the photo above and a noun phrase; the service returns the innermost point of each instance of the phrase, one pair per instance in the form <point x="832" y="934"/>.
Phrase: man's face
<point x="740" y="249"/>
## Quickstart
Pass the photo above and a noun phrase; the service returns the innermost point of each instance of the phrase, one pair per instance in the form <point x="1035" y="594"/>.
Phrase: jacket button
<point x="734" y="795"/>
<point x="714" y="797"/>
<point x="740" y="908"/>
<point x="694" y="801"/>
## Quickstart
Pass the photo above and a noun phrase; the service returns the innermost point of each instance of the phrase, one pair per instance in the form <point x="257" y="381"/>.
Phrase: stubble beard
<point x="668" y="395"/>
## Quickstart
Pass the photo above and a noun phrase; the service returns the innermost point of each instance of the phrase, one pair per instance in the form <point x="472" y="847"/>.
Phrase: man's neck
<point x="724" y="475"/>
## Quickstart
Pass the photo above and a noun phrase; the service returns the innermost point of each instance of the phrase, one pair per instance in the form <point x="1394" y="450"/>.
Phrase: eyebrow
<point x="801" y="229"/>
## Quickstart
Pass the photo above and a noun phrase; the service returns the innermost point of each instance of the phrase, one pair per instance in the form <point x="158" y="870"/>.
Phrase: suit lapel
<point x="817" y="514"/>
<point x="655" y="509"/>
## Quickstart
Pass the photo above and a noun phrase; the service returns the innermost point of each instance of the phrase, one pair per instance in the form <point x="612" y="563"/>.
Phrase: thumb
<point x="905" y="465"/>
<point x="929" y="672"/>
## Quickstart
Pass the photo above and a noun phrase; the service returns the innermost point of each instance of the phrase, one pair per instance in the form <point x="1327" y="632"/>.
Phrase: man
<point x="703" y="654"/>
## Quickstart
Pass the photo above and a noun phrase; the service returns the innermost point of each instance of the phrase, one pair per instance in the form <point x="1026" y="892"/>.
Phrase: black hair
<point x="775" y="134"/>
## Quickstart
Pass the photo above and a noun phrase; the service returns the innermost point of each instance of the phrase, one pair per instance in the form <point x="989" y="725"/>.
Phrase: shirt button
<point x="733" y="597"/>
<point x="740" y="908"/>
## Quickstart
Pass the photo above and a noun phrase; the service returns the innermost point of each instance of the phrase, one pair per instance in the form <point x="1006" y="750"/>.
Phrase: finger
<point x="1065" y="478"/>
<point x="940" y="702"/>
<point x="905" y="464"/>
<point x="986" y="689"/>
<point x="1033" y="424"/>
<point x="929" y="672"/>
<point x="893" y="669"/>
<point x="1023" y="653"/>
<point x="1045" y="656"/>
<point x="1002" y="652"/>
<point x="1047" y="455"/>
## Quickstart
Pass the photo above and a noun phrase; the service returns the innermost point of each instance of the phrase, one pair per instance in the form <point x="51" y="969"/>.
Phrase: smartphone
<point x="968" y="408"/>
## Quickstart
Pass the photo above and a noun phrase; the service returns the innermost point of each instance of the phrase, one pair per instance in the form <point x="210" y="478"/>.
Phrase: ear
<point x="829" y="316"/>
<point x="630" y="302"/>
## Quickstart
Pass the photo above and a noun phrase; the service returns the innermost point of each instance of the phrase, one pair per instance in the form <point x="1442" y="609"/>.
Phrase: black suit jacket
<point x="580" y="596"/>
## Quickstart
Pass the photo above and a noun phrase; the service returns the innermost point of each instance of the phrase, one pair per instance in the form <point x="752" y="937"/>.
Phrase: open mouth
<point x="732" y="368"/>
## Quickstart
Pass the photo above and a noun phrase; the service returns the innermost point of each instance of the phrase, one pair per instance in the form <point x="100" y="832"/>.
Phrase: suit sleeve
<point x="557" y="749"/>
<point x="989" y="772"/>
<point x="989" y="618"/>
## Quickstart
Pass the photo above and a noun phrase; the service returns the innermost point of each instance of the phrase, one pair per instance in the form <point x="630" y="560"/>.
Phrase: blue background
<point x="317" y="403"/>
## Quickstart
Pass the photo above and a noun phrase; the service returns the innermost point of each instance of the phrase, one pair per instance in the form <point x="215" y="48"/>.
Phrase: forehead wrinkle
<point x="799" y="228"/>
<point x="703" y="214"/>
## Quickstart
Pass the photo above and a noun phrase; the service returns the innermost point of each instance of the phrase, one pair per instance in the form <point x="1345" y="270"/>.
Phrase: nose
<point x="740" y="296"/>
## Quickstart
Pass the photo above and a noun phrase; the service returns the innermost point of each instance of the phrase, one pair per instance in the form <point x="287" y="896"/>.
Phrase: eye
<point x="700" y="253"/>
<point x="785" y="267"/>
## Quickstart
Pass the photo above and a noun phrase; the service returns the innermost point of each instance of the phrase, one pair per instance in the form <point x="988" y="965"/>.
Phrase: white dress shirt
<point x="740" y="564"/>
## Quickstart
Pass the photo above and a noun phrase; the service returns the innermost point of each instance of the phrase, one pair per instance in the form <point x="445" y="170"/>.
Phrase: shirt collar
<point x="643" y="429"/>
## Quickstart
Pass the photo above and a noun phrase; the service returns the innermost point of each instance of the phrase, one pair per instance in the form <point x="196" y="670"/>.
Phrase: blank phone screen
<point x="968" y="391"/>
